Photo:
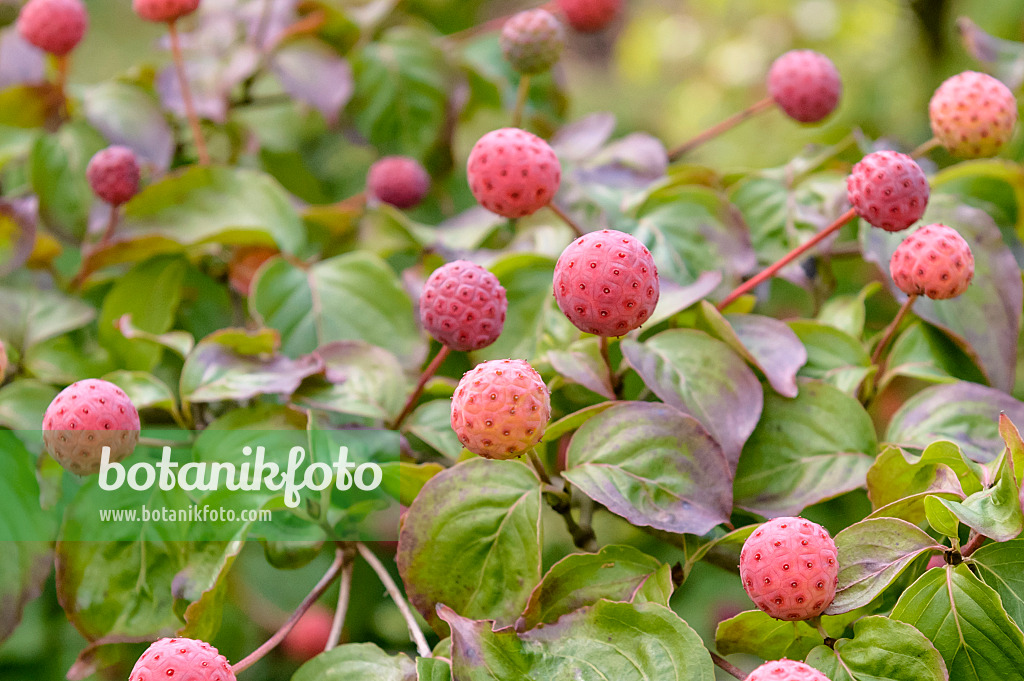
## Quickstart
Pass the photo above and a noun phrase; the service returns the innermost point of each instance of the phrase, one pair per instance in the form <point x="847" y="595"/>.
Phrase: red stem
<point x="427" y="374"/>
<point x="314" y="595"/>
<point x="716" y="130"/>
<point x="890" y="330"/>
<point x="768" y="273"/>
<point x="727" y="666"/>
<point x="564" y="217"/>
<point x="186" y="96"/>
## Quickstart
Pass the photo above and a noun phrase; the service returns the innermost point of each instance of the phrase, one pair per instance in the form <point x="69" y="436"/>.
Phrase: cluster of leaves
<point x="707" y="423"/>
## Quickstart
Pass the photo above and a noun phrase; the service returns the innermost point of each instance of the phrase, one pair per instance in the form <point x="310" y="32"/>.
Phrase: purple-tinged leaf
<point x="314" y="74"/>
<point x="654" y="466"/>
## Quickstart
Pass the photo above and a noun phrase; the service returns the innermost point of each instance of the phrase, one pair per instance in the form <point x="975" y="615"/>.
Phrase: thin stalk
<point x="890" y="330"/>
<point x="768" y="273"/>
<point x="564" y="217"/>
<point x="925" y="148"/>
<point x="403" y="606"/>
<point x="314" y="595"/>
<point x="606" y="356"/>
<point x="344" y="595"/>
<point x="427" y="374"/>
<point x="716" y="130"/>
<point x="63" y="67"/>
<point x="521" y="95"/>
<point x="115" y="213"/>
<point x="973" y="544"/>
<point x="727" y="666"/>
<point x="816" y="623"/>
<point x="186" y="95"/>
<point x="538" y="466"/>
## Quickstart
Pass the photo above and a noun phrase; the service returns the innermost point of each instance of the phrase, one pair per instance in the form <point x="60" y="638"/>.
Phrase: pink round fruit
<point x="54" y="26"/>
<point x="973" y="115"/>
<point x="606" y="283"/>
<point x="789" y="568"/>
<point x="181" y="659"/>
<point x="308" y="638"/>
<point x="86" y="417"/>
<point x="786" y="670"/>
<point x="501" y="408"/>
<point x="935" y="261"/>
<point x="589" y="16"/>
<point x="805" y="84"/>
<point x="888" y="190"/>
<point x="513" y="173"/>
<point x="399" y="181"/>
<point x="532" y="41"/>
<point x="164" y="11"/>
<point x="463" y="306"/>
<point x="114" y="175"/>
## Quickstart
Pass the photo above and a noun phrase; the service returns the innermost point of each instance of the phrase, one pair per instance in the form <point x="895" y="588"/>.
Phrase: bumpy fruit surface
<point x="786" y="670"/>
<point x="164" y="11"/>
<point x="181" y="659"/>
<point x="501" y="408"/>
<point x="54" y="26"/>
<point x="513" y="173"/>
<point x="789" y="568"/>
<point x="463" y="306"/>
<point x="889" y="190"/>
<point x="86" y="417"/>
<point x="532" y="41"/>
<point x="973" y="115"/>
<point x="3" y="362"/>
<point x="398" y="180"/>
<point x="805" y="84"/>
<point x="934" y="261"/>
<point x="589" y="16"/>
<point x="606" y="283"/>
<point x="114" y="175"/>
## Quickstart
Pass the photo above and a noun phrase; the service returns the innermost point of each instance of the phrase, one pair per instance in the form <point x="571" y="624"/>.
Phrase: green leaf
<point x="615" y="573"/>
<point x="966" y="621"/>
<point x="357" y="662"/>
<point x="432" y="423"/>
<point x="703" y="377"/>
<point x="216" y="372"/>
<point x="756" y="633"/>
<point x="964" y="413"/>
<point x="57" y="175"/>
<point x="472" y="539"/>
<point x="994" y="512"/>
<point x="583" y="367"/>
<point x="833" y="356"/>
<point x="533" y="316"/>
<point x="359" y="379"/>
<point x="574" y="421"/>
<point x="28" y="318"/>
<point x="872" y="554"/>
<point x="1001" y="566"/>
<point x="804" y="451"/>
<point x="146" y="391"/>
<point x="26" y="533"/>
<point x="404" y="481"/>
<point x="433" y="669"/>
<point x="881" y="650"/>
<point x="400" y="97"/>
<point x="985" y="320"/>
<point x="150" y="293"/>
<point x="941" y="518"/>
<point x="621" y="641"/>
<point x="213" y="204"/>
<point x="898" y="481"/>
<point x="23" y="403"/>
<point x="352" y="297"/>
<point x="925" y="353"/>
<point x="847" y="313"/>
<point x="652" y="465"/>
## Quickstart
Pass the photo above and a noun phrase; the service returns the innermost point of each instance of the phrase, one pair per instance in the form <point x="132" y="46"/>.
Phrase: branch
<point x="727" y="666"/>
<point x="314" y="595"/>
<point x="403" y="606"/>
<point x="343" y="598"/>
